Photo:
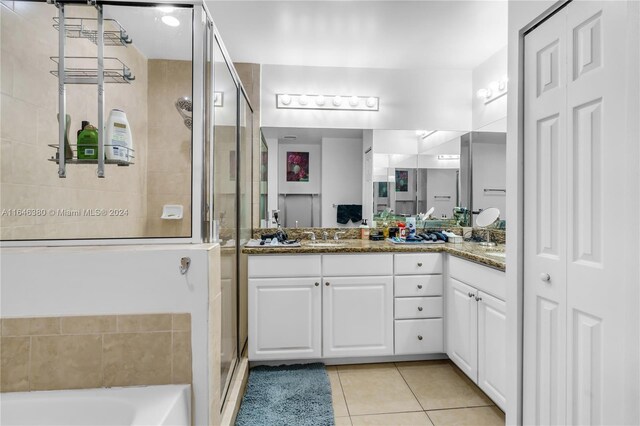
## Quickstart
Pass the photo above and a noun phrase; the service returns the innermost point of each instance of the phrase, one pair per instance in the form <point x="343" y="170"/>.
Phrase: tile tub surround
<point x="469" y="251"/>
<point x="409" y="393"/>
<point x="52" y="353"/>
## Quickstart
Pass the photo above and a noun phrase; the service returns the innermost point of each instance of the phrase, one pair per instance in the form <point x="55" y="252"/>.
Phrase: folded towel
<point x="348" y="212"/>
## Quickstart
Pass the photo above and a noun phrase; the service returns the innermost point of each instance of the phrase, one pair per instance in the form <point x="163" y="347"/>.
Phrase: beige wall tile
<point x="182" y="322"/>
<point x="148" y="322"/>
<point x="30" y="326"/>
<point x="14" y="364"/>
<point x="88" y="324"/>
<point x="137" y="359"/>
<point x="181" y="363"/>
<point x="66" y="362"/>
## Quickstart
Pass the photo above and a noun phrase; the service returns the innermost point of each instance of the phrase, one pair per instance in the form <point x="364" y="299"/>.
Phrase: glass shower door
<point x="225" y="206"/>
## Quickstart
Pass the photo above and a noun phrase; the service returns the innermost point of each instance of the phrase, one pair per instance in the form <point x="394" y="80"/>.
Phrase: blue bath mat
<point x="296" y="395"/>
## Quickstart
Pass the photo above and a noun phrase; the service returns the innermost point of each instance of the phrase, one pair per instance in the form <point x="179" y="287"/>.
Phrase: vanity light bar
<point x="448" y="157"/>
<point x="327" y="102"/>
<point x="496" y="89"/>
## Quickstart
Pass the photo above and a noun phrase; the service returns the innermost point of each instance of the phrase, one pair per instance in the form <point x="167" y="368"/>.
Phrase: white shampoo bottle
<point x="119" y="143"/>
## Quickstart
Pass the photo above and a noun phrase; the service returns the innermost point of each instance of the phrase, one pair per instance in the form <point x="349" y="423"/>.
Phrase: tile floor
<point x="429" y="393"/>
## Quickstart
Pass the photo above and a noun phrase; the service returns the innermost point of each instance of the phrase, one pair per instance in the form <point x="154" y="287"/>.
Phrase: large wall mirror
<point x="335" y="177"/>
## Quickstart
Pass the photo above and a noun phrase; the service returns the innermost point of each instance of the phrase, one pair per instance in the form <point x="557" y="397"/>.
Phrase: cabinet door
<point x="462" y="327"/>
<point x="357" y="316"/>
<point x="284" y="318"/>
<point x="492" y="347"/>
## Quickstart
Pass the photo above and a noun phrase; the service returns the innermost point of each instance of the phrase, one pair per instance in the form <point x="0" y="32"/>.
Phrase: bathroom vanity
<point x="369" y="301"/>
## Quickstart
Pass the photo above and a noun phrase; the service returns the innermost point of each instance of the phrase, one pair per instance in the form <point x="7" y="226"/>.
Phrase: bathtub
<point x="145" y="405"/>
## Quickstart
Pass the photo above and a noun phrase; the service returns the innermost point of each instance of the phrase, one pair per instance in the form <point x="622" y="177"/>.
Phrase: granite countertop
<point x="492" y="257"/>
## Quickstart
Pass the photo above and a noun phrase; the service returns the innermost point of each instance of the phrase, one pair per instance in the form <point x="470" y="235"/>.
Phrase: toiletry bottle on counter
<point x="364" y="230"/>
<point x="88" y="143"/>
<point x="119" y="143"/>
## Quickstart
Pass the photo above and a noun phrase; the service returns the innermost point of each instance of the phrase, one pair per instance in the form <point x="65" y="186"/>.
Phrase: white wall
<point x="59" y="281"/>
<point x="492" y="116"/>
<point x="409" y="99"/>
<point x="367" y="175"/>
<point x="521" y="14"/>
<point x="489" y="171"/>
<point x="341" y="177"/>
<point x="395" y="142"/>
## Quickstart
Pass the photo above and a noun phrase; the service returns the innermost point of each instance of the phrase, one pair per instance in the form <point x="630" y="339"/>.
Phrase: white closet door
<point x="545" y="216"/>
<point x="597" y="273"/>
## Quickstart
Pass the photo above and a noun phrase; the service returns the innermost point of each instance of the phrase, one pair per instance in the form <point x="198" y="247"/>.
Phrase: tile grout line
<point x="395" y="364"/>
<point x="344" y="397"/>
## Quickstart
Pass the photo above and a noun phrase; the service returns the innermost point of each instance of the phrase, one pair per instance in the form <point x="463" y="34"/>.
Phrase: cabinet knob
<point x="420" y="308"/>
<point x="317" y="284"/>
<point x="327" y="283"/>
<point x="419" y="263"/>
<point x="471" y="294"/>
<point x="419" y="337"/>
<point x="545" y="277"/>
<point x="478" y="299"/>
<point x="419" y="286"/>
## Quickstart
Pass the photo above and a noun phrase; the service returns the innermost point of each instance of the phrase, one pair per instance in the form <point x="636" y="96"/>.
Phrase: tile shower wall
<point x="94" y="351"/>
<point x="169" y="157"/>
<point x="29" y="109"/>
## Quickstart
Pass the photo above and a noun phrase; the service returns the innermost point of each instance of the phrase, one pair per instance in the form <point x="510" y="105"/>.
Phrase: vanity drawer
<point x="349" y="265"/>
<point x="482" y="277"/>
<point x="418" y="263"/>
<point x="418" y="307"/>
<point x="419" y="336"/>
<point x="277" y="266"/>
<point x="418" y="285"/>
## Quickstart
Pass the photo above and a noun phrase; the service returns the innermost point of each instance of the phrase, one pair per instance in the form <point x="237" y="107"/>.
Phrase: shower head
<point x="185" y="108"/>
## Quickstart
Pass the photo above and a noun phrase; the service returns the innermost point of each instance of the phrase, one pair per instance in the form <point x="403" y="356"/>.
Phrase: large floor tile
<point x="477" y="416"/>
<point x="441" y="385"/>
<point x="376" y="389"/>
<point x="339" y="404"/>
<point x="342" y="421"/>
<point x="396" y="419"/>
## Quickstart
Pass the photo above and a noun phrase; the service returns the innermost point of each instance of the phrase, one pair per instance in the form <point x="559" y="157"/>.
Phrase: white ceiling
<point x="369" y="34"/>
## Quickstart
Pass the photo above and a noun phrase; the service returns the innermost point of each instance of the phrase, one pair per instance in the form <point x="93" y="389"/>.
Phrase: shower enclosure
<point x="192" y="127"/>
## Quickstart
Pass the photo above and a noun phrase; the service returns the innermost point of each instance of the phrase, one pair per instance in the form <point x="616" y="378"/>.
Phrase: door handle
<point x="419" y="286"/>
<point x="419" y="263"/>
<point x="545" y="277"/>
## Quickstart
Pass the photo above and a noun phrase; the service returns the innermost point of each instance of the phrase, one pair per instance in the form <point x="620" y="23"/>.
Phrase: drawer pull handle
<point x="419" y="263"/>
<point x="420" y="308"/>
<point x="471" y="294"/>
<point x="419" y="286"/>
<point x="419" y="337"/>
<point x="327" y="283"/>
<point x="478" y="299"/>
<point x="317" y="284"/>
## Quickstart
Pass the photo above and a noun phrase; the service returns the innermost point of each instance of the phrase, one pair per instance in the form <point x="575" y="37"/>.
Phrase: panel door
<point x="284" y="318"/>
<point x="492" y="347"/>
<point x="599" y="277"/>
<point x="357" y="316"/>
<point x="462" y="327"/>
<point x="545" y="207"/>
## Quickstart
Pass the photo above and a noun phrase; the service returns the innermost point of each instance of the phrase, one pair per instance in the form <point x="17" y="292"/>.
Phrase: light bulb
<point x="303" y="100"/>
<point x="285" y="99"/>
<point x="484" y="93"/>
<point x="337" y="101"/>
<point x="494" y="86"/>
<point x="171" y="21"/>
<point x="371" y="102"/>
<point x="354" y="101"/>
<point x="320" y="100"/>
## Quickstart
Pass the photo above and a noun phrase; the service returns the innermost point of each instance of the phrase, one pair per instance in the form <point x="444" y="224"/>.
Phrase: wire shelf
<point x="84" y="70"/>
<point x="76" y="160"/>
<point x="87" y="28"/>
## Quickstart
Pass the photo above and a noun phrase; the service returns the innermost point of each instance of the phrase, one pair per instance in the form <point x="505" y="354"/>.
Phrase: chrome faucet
<point x="313" y="235"/>
<point x="336" y="236"/>
<point x="325" y="235"/>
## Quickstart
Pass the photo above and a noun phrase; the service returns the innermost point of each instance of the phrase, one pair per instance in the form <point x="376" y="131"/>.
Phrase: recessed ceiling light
<point x="166" y="9"/>
<point x="171" y="21"/>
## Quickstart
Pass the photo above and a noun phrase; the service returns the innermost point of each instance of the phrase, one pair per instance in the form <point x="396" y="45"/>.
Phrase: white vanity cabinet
<point x="476" y="325"/>
<point x="285" y="307"/>
<point x="357" y="305"/>
<point x="419" y="304"/>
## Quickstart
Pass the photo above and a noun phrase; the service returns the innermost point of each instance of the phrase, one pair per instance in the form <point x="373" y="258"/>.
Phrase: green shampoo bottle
<point x="88" y="143"/>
